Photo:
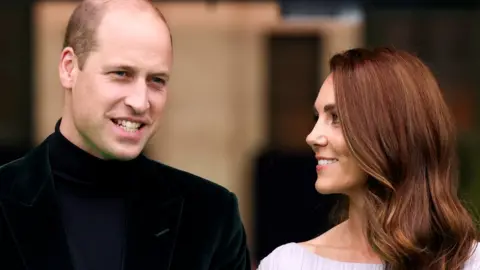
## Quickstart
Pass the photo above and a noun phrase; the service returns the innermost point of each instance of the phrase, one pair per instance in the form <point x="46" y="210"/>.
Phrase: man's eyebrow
<point x="161" y="74"/>
<point x="132" y="69"/>
<point x="122" y="67"/>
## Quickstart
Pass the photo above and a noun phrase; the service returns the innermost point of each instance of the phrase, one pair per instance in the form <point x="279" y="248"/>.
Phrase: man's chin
<point x="125" y="157"/>
<point x="124" y="153"/>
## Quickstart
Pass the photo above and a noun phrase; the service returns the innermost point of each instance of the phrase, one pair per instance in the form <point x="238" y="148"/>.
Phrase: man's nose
<point x="138" y="99"/>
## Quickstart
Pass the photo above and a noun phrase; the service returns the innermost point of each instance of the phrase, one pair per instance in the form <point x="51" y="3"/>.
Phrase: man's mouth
<point x="127" y="125"/>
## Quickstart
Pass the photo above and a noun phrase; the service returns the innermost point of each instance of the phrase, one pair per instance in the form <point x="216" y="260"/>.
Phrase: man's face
<point x="113" y="105"/>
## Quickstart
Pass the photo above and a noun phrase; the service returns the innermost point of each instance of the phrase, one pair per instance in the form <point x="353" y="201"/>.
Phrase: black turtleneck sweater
<point x="92" y="194"/>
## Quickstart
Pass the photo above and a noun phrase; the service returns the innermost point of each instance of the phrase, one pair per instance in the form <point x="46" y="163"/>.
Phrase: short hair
<point x="81" y="32"/>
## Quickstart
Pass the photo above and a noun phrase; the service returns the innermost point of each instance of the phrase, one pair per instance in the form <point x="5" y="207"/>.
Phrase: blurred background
<point x="246" y="74"/>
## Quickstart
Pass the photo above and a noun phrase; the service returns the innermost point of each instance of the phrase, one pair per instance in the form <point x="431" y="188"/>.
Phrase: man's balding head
<point x="81" y="32"/>
<point x="115" y="69"/>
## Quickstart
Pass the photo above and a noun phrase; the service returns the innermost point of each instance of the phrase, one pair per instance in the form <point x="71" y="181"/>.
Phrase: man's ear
<point x="68" y="68"/>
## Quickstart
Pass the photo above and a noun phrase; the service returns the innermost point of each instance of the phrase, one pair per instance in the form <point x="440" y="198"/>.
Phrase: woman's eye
<point x="335" y="119"/>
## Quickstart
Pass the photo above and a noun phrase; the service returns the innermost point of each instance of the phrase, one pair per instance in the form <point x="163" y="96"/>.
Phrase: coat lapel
<point x="28" y="200"/>
<point x="154" y="217"/>
<point x="29" y="204"/>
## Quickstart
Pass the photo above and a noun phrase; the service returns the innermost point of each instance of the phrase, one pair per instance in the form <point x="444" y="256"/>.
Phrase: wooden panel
<point x="293" y="85"/>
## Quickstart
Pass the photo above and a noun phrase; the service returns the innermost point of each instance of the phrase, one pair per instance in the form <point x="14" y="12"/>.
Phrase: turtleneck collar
<point x="77" y="166"/>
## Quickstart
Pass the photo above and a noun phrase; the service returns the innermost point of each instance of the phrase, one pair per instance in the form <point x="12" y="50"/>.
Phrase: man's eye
<point x="158" y="80"/>
<point x="120" y="73"/>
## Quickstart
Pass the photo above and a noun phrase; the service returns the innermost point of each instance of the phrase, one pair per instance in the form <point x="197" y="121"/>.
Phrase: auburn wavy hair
<point x="399" y="128"/>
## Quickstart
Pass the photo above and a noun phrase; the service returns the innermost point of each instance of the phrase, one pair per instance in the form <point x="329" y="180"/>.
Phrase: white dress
<point x="293" y="256"/>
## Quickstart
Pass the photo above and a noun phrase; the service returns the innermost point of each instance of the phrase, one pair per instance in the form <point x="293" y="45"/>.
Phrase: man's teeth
<point x="128" y="125"/>
<point x="326" y="161"/>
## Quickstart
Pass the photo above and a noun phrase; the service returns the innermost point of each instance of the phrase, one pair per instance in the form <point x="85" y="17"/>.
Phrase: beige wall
<point x="214" y="122"/>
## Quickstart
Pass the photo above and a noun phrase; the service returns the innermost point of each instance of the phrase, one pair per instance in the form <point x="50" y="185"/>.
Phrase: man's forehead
<point x="154" y="57"/>
<point x="119" y="33"/>
<point x="121" y="21"/>
<point x="129" y="4"/>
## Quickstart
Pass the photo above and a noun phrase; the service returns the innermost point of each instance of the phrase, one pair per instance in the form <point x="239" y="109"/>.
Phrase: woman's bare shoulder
<point x="336" y="244"/>
<point x="328" y="239"/>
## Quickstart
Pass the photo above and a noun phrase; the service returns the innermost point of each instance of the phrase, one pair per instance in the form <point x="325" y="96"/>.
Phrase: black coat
<point x="177" y="221"/>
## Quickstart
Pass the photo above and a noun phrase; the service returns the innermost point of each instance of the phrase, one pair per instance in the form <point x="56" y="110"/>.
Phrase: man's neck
<point x="68" y="131"/>
<point x="69" y="160"/>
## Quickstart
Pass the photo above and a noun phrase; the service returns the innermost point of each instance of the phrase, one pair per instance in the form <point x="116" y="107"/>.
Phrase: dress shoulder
<point x="473" y="263"/>
<point x="287" y="256"/>
<point x="293" y="256"/>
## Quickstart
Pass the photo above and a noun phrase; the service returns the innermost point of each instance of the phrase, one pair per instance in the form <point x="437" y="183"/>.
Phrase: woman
<point x="384" y="137"/>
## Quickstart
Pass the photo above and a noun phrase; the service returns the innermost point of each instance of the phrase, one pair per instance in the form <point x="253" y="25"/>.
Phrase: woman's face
<point x="337" y="169"/>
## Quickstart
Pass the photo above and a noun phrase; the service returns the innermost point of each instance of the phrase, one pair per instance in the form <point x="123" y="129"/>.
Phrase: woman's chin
<point x="323" y="187"/>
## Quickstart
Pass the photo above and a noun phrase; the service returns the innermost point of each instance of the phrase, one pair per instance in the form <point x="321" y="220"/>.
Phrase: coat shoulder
<point x="11" y="167"/>
<point x="191" y="185"/>
<point x="9" y="172"/>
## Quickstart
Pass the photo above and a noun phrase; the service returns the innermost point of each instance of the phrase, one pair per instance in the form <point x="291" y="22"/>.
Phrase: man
<point x="86" y="198"/>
